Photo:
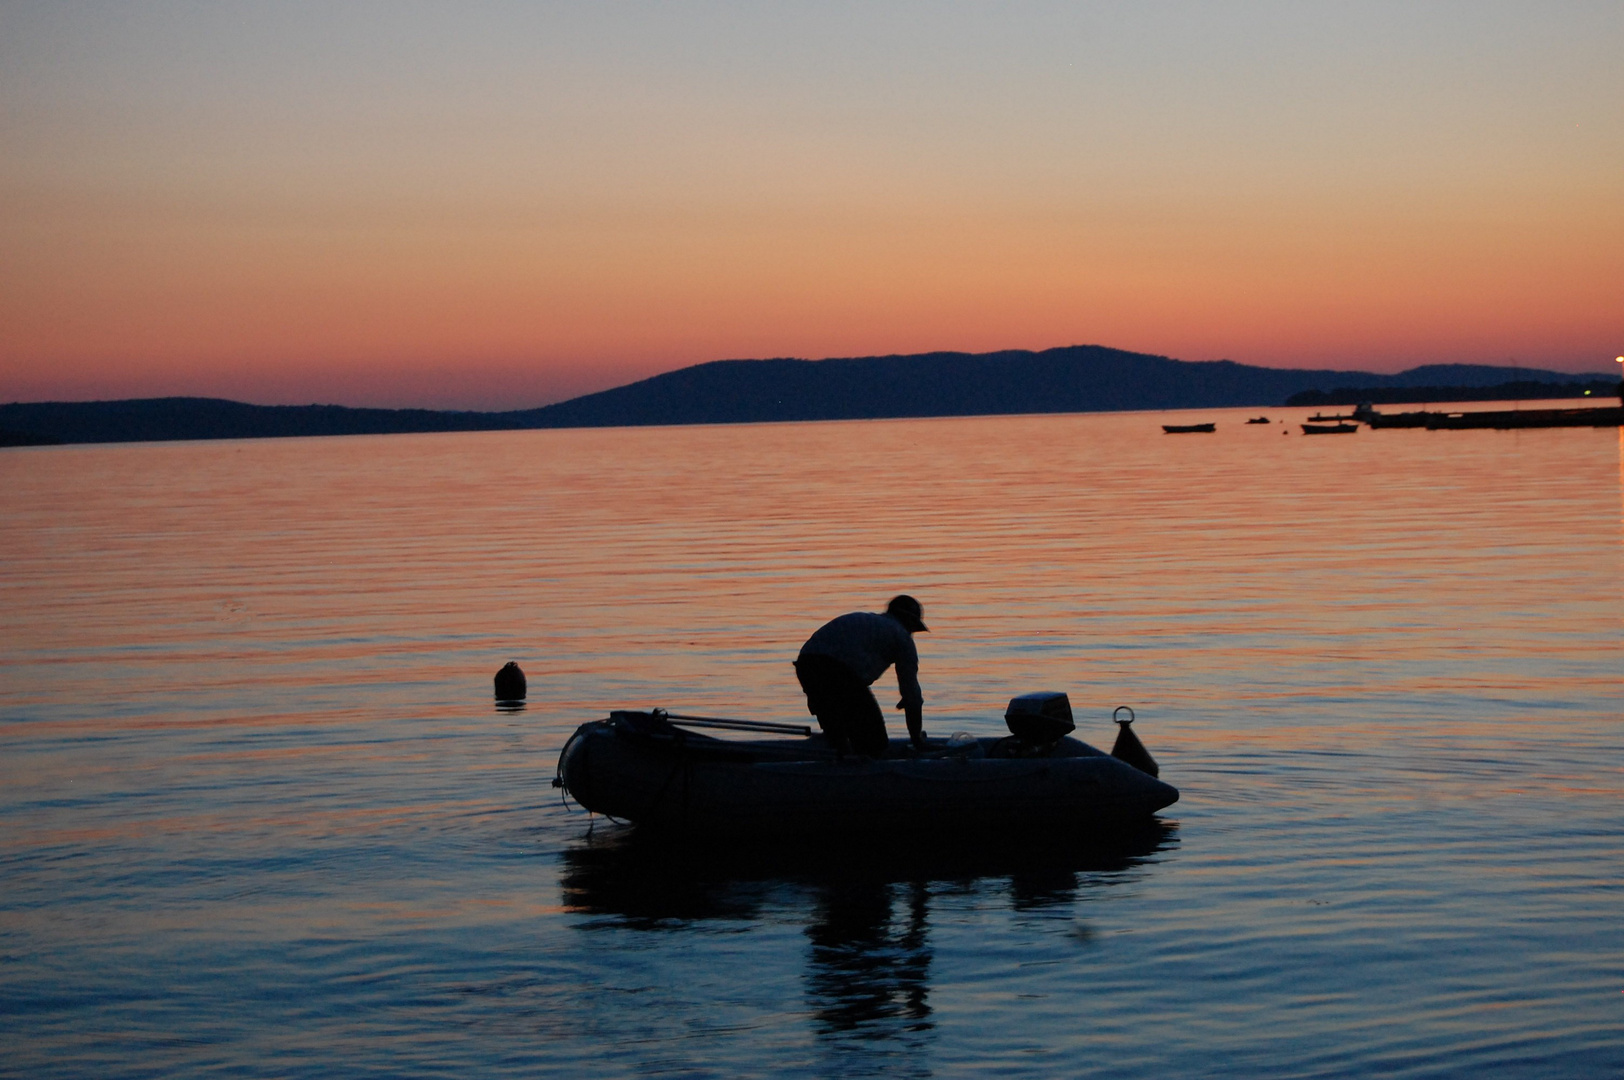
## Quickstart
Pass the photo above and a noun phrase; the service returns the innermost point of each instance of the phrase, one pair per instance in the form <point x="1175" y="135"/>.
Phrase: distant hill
<point x="1079" y="378"/>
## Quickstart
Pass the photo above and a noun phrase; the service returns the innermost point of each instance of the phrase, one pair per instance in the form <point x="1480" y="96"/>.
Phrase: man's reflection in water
<point x="870" y="971"/>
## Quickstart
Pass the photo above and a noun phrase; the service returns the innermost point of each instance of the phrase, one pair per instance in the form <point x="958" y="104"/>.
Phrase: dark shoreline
<point x="1518" y="390"/>
<point x="1079" y="378"/>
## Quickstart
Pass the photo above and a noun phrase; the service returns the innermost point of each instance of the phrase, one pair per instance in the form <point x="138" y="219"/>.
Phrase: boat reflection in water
<point x="867" y="913"/>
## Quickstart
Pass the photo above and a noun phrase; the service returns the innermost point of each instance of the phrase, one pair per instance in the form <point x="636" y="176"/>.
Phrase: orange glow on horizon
<point x="393" y="318"/>
<point x="562" y="211"/>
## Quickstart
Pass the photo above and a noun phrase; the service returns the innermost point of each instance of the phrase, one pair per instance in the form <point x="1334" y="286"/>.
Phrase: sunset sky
<point x="499" y="205"/>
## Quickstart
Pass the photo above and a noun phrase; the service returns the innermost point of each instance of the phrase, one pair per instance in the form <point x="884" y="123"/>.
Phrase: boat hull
<point x="691" y="783"/>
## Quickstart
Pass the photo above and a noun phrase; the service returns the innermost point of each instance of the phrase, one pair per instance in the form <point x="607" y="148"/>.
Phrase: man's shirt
<point x="868" y="644"/>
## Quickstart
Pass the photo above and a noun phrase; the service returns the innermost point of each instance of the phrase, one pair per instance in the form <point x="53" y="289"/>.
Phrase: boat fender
<point x="1128" y="748"/>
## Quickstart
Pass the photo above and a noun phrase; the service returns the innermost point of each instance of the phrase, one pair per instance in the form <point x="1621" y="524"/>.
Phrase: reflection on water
<point x="865" y="971"/>
<point x="259" y="817"/>
<point x="655" y="881"/>
<point x="866" y="914"/>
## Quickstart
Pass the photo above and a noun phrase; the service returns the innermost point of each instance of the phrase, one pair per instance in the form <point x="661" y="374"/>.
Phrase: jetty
<point x="1497" y="419"/>
<point x="1504" y="419"/>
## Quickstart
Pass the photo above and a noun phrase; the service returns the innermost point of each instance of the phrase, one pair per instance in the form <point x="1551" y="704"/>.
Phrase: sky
<point x="500" y="205"/>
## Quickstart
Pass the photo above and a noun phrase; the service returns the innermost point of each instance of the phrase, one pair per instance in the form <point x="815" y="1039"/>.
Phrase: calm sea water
<point x="259" y="816"/>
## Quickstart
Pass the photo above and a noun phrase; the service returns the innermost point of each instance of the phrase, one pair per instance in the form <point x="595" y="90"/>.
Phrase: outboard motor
<point x="1040" y="719"/>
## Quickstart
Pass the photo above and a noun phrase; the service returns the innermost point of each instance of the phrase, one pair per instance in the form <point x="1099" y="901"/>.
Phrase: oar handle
<point x="737" y="725"/>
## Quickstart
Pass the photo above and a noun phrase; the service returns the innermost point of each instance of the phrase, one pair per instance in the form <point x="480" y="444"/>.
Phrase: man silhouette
<point x="840" y="662"/>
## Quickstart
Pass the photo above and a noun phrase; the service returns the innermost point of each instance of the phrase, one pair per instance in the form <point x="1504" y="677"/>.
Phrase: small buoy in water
<point x="1128" y="748"/>
<point x="510" y="685"/>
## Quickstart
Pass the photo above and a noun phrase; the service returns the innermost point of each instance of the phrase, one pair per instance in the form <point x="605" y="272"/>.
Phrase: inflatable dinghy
<point x="650" y="769"/>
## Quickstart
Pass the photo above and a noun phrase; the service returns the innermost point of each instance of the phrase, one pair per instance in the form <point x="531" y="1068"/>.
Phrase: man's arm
<point x="916" y="723"/>
<point x="913" y="699"/>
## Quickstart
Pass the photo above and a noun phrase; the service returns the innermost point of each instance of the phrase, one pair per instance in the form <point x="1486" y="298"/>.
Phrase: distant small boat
<point x="1259" y="420"/>
<point x="1338" y="418"/>
<point x="1186" y="429"/>
<point x="1330" y="429"/>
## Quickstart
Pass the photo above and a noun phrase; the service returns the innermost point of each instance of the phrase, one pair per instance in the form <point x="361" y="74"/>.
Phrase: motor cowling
<point x="1041" y="718"/>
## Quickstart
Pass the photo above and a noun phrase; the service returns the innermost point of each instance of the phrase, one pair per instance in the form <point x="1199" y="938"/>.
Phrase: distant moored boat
<point x="1185" y="429"/>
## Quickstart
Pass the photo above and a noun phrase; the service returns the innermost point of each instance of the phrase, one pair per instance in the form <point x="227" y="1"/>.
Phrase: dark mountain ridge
<point x="1079" y="378"/>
